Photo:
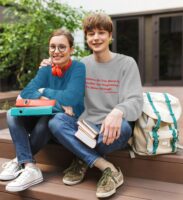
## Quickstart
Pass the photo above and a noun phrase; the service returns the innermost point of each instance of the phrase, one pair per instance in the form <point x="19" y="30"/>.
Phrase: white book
<point x="91" y="126"/>
<point x="86" y="139"/>
<point x="86" y="129"/>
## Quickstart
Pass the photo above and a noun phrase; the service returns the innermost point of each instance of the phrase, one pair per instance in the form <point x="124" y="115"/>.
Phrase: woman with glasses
<point x="64" y="81"/>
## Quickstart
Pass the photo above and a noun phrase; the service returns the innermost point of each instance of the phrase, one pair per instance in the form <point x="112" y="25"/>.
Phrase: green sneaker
<point x="108" y="183"/>
<point x="75" y="172"/>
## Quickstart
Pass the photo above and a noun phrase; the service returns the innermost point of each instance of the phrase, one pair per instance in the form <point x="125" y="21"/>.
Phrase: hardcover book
<point x="32" y="111"/>
<point x="34" y="102"/>
<point x="85" y="138"/>
<point x="87" y="133"/>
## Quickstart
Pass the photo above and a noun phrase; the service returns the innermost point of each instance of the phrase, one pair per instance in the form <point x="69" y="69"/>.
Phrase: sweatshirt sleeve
<point x="39" y="81"/>
<point x="130" y="94"/>
<point x="74" y="92"/>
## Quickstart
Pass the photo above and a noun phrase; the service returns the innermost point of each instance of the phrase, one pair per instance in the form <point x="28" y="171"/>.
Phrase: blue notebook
<point x="32" y="111"/>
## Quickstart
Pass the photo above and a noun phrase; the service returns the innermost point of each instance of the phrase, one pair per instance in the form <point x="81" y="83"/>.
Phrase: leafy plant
<point x="24" y="34"/>
<point x="6" y="106"/>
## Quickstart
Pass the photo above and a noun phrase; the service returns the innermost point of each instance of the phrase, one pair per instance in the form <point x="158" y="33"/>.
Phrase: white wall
<point x="120" y="7"/>
<point x="125" y="6"/>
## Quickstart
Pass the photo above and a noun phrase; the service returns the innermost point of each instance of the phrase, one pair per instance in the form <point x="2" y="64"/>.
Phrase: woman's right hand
<point x="45" y="62"/>
<point x="68" y="110"/>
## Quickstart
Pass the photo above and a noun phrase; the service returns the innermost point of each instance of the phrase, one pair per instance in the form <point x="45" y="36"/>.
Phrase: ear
<point x="71" y="50"/>
<point x="110" y="36"/>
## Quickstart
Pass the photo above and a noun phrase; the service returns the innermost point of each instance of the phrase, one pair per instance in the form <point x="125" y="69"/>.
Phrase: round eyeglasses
<point x="61" y="48"/>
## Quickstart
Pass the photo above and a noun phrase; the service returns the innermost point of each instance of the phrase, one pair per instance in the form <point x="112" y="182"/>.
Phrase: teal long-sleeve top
<point x="67" y="90"/>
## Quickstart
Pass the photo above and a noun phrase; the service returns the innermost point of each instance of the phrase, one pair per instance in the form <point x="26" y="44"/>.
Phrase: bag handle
<point x="157" y="126"/>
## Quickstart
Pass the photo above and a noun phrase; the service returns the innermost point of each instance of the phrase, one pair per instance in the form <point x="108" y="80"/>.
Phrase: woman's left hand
<point x="45" y="98"/>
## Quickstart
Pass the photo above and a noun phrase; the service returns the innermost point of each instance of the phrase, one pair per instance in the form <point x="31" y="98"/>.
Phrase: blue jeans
<point x="63" y="127"/>
<point x="29" y="135"/>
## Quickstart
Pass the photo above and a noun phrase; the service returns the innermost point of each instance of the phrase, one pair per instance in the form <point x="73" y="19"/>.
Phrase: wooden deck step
<point x="167" y="168"/>
<point x="9" y="96"/>
<point x="52" y="154"/>
<point x="3" y="123"/>
<point x="132" y="189"/>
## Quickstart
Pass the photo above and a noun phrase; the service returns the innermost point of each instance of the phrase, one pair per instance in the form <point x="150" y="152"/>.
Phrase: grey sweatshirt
<point x="114" y="84"/>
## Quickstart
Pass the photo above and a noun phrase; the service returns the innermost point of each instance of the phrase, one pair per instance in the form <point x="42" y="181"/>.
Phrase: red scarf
<point x="59" y="71"/>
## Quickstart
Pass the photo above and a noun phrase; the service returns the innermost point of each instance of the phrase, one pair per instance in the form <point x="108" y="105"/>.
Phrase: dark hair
<point x="97" y="20"/>
<point x="66" y="33"/>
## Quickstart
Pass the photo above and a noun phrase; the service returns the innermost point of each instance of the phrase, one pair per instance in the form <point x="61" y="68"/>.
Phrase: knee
<point x="56" y="122"/>
<point x="62" y="121"/>
<point x="10" y="119"/>
<point x="52" y="124"/>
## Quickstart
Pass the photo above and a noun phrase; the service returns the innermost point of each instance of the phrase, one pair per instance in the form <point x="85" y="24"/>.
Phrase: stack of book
<point x="87" y="133"/>
<point x="31" y="107"/>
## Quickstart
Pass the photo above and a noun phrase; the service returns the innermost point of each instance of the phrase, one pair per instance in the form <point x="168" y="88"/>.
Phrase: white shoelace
<point x="24" y="174"/>
<point x="9" y="166"/>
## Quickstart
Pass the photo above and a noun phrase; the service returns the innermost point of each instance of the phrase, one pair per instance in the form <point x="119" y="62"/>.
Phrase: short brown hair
<point x="66" y="33"/>
<point x="97" y="20"/>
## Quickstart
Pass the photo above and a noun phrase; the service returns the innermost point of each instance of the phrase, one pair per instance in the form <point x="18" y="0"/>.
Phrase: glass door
<point x="129" y="39"/>
<point x="168" y="51"/>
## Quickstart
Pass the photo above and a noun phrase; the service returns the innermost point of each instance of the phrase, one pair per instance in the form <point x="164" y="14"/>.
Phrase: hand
<point x="111" y="126"/>
<point x="19" y="97"/>
<point x="42" y="97"/>
<point x="68" y="110"/>
<point x="45" y="62"/>
<point x="41" y="90"/>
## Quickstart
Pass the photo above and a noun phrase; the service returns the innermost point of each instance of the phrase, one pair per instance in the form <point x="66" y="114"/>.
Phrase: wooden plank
<point x="7" y="196"/>
<point x="5" y="136"/>
<point x="156" y="168"/>
<point x="177" y="157"/>
<point x="155" y="185"/>
<point x="149" y="169"/>
<point x="53" y="188"/>
<point x="173" y="158"/>
<point x="54" y="154"/>
<point x="7" y="150"/>
<point x="3" y="123"/>
<point x="10" y="95"/>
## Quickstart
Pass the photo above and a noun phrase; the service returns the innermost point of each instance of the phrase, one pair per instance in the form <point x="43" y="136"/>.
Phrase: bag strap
<point x="157" y="126"/>
<point x="167" y="100"/>
<point x="175" y="138"/>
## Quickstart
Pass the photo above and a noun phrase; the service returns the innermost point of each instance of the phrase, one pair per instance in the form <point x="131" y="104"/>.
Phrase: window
<point x="170" y="48"/>
<point x="129" y="39"/>
<point x="127" y="31"/>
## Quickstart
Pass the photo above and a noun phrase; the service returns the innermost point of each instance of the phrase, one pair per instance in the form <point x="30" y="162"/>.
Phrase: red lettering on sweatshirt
<point x="108" y="86"/>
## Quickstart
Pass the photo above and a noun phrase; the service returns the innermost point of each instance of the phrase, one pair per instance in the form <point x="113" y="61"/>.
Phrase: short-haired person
<point x="64" y="81"/>
<point x="113" y="101"/>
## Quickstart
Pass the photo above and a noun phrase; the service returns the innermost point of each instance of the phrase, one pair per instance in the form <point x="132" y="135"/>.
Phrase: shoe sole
<point x="24" y="187"/>
<point x="72" y="183"/>
<point x="104" y="195"/>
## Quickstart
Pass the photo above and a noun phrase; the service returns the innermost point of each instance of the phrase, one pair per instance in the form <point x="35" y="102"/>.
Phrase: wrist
<point x="117" y="112"/>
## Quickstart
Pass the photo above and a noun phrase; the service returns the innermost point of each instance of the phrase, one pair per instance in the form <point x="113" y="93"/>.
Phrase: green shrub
<point x="24" y="34"/>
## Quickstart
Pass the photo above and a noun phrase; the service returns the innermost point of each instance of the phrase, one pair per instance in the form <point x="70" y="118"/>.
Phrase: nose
<point x="56" y="50"/>
<point x="96" y="36"/>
